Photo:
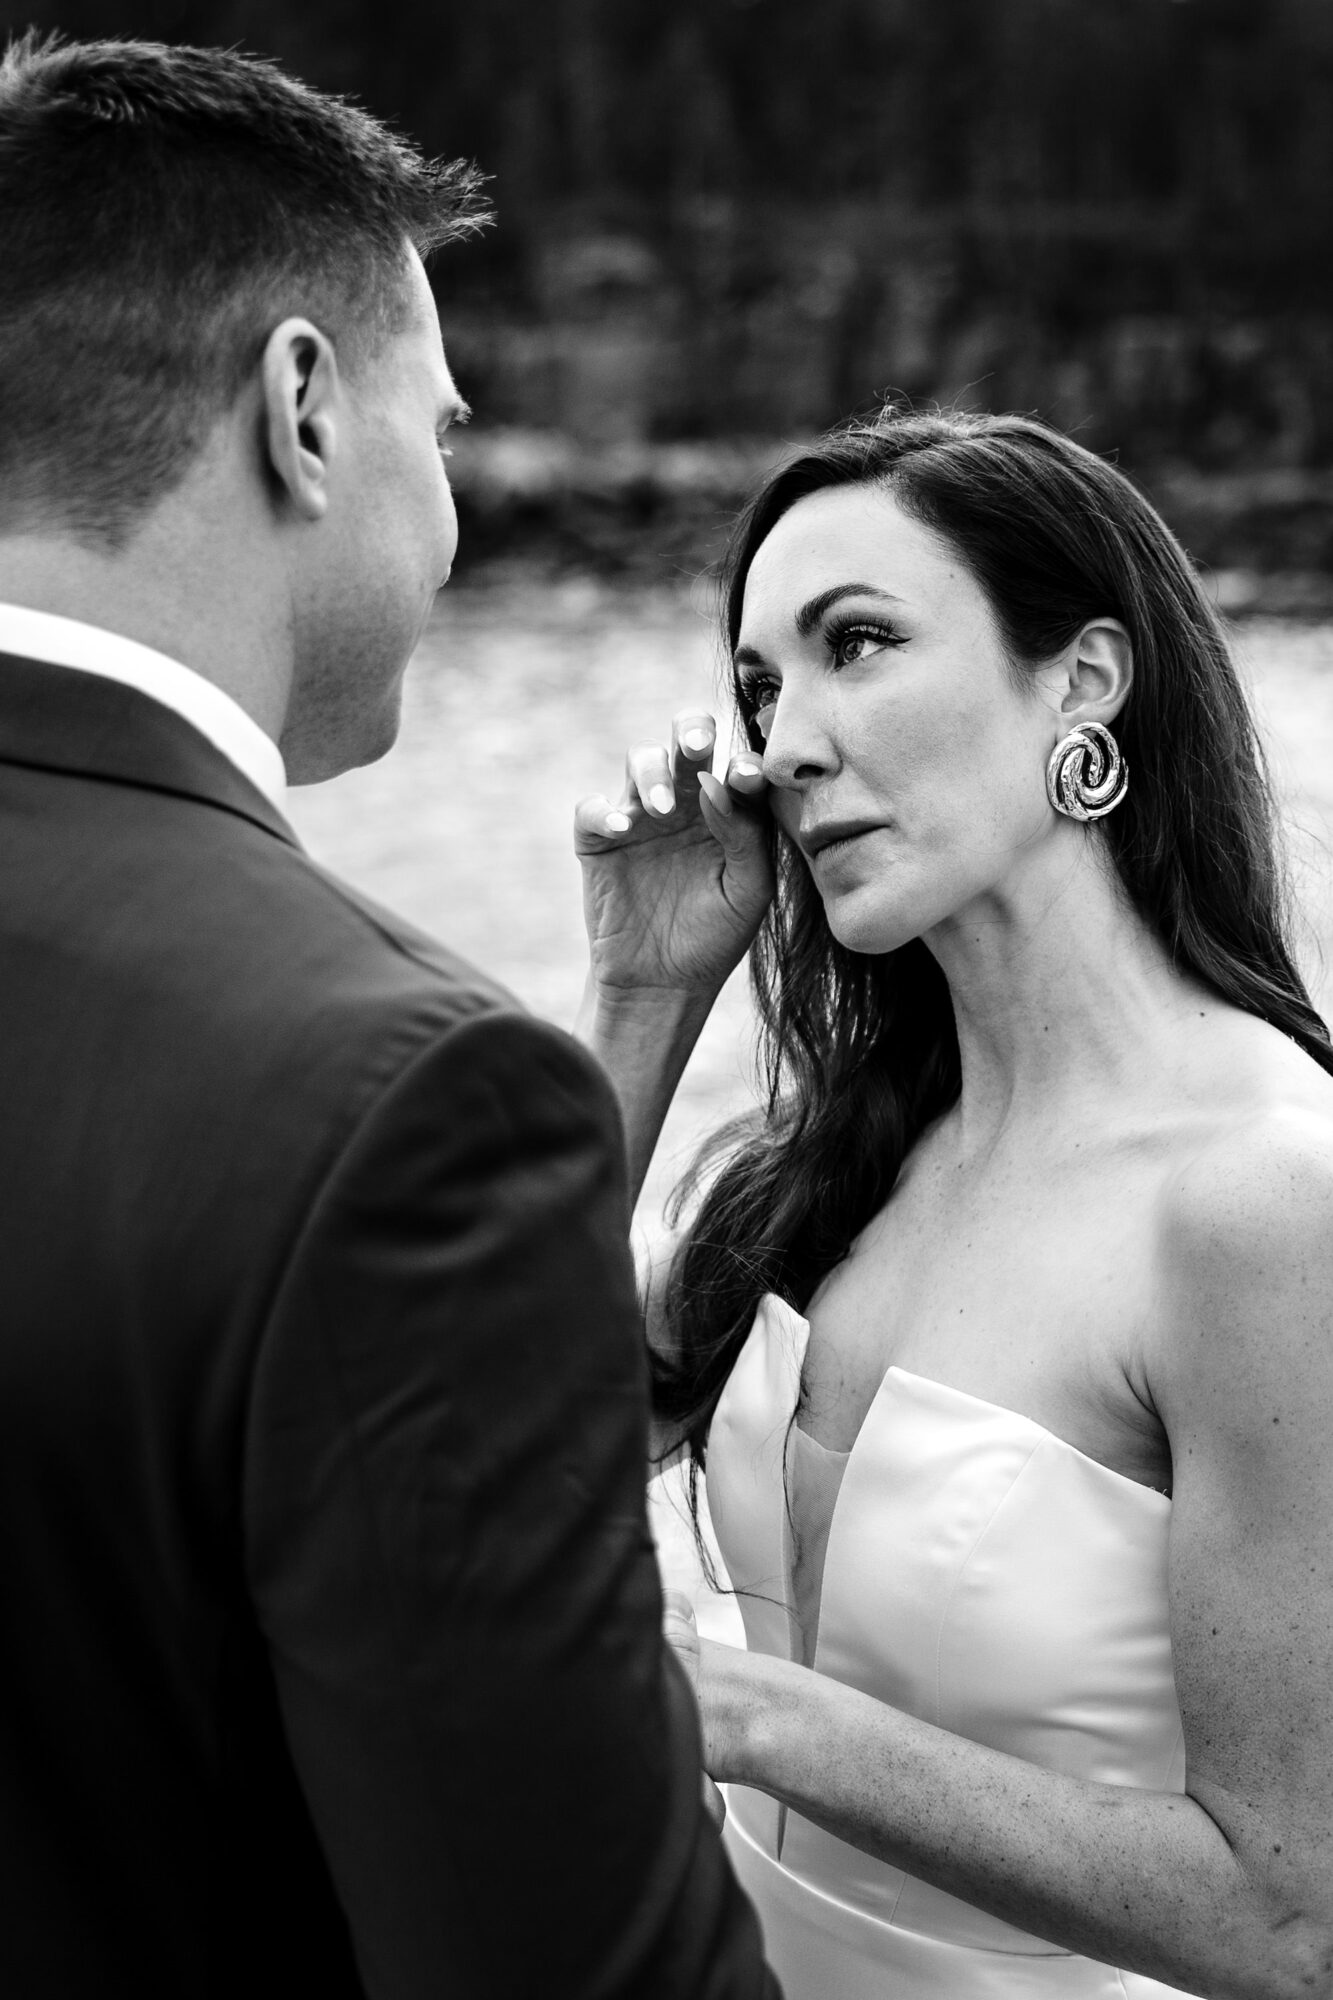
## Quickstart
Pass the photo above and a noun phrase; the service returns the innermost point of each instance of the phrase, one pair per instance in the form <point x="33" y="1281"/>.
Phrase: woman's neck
<point x="1061" y="995"/>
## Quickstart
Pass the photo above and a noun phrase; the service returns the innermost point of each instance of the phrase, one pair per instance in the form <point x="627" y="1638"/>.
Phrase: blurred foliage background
<point x="725" y="223"/>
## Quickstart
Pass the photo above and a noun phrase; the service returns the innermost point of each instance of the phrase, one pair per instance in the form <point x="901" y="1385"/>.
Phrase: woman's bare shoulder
<point x="1267" y="1138"/>
<point x="1245" y="1229"/>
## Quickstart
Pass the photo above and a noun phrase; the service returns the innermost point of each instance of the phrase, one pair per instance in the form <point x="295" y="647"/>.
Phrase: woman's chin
<point x="864" y="925"/>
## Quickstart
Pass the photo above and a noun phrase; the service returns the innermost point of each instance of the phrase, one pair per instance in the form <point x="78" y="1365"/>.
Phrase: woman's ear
<point x="302" y="408"/>
<point x="1092" y="677"/>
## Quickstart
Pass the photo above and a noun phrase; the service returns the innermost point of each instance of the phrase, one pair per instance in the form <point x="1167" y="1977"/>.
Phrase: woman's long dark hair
<point x="861" y="1053"/>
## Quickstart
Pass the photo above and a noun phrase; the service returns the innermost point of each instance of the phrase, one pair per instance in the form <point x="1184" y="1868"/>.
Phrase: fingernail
<point x="662" y="799"/>
<point x="746" y="769"/>
<point x="617" y="822"/>
<point x="715" y="793"/>
<point x="696" y="741"/>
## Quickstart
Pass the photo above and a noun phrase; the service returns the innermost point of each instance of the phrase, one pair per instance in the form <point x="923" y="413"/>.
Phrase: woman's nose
<point x="798" y="748"/>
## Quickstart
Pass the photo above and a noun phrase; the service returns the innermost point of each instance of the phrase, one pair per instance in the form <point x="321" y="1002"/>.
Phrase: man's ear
<point x="1091" y="679"/>
<point x="302" y="408"/>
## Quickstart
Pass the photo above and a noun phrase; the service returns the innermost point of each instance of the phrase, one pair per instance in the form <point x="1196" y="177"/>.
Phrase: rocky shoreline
<point x="660" y="512"/>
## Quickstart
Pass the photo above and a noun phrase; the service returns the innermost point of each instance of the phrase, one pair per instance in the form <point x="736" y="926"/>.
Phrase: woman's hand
<point x="676" y="875"/>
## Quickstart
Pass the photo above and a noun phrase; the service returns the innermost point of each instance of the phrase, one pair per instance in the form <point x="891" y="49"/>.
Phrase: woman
<point x="1007" y="1335"/>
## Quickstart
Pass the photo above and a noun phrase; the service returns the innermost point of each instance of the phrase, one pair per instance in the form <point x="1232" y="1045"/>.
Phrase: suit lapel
<point x="61" y="719"/>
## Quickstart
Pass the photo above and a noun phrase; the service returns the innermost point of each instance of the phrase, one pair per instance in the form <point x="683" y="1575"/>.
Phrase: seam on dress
<point x="959" y="1572"/>
<point x="977" y="1540"/>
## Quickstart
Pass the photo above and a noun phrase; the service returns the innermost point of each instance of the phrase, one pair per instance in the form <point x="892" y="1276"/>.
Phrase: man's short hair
<point x="161" y="211"/>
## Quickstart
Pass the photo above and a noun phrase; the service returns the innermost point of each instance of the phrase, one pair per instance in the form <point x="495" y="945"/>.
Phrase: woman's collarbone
<point x="1054" y="1340"/>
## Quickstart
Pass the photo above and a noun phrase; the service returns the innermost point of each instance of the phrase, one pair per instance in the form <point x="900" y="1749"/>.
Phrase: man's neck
<point x="154" y="594"/>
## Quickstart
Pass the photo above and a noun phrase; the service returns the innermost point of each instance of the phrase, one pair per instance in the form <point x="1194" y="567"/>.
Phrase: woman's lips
<point x="828" y="843"/>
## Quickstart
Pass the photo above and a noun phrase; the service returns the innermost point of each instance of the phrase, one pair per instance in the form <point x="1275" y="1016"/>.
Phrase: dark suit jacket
<point x="329" y="1625"/>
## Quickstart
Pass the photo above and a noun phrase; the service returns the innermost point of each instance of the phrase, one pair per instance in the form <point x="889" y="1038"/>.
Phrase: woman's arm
<point x="1228" y="1889"/>
<point x="676" y="879"/>
<point x="643" y="1040"/>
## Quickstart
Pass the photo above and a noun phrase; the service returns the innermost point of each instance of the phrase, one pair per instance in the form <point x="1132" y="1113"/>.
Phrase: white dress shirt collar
<point x="67" y="642"/>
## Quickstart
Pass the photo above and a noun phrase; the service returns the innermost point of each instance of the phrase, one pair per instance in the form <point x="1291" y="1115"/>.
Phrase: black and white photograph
<point x="666" y="953"/>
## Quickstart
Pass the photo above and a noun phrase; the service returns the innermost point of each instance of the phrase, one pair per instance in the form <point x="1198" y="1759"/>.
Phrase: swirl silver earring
<point x="1086" y="777"/>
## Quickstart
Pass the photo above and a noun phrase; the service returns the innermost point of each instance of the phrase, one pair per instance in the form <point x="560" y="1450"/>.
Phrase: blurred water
<point x="521" y="700"/>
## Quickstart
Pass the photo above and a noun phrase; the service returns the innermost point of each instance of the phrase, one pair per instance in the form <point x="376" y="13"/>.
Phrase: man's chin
<point x="319" y="754"/>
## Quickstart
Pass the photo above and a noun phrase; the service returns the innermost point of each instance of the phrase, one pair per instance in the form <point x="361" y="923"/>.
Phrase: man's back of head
<point x="160" y="210"/>
<point x="163" y="211"/>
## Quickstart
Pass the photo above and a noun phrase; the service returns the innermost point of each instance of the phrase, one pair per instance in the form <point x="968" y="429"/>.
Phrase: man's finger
<point x="678" y="1620"/>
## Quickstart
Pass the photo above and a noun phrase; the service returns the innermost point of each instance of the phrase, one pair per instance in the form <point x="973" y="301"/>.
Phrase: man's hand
<point x="682" y="1635"/>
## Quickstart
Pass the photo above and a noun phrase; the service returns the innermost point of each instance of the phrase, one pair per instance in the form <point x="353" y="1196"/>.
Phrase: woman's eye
<point x="859" y="643"/>
<point x="760" y="700"/>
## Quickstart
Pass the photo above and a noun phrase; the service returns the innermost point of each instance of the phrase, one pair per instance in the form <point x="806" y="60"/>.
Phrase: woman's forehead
<point x="840" y="536"/>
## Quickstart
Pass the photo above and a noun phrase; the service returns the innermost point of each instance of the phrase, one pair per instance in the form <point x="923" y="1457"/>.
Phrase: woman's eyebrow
<point x="811" y="612"/>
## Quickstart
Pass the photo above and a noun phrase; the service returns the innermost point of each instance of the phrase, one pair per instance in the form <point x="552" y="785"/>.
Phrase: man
<point x="330" y="1657"/>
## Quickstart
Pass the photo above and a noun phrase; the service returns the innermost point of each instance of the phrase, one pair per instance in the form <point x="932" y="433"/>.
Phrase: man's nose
<point x="448" y="532"/>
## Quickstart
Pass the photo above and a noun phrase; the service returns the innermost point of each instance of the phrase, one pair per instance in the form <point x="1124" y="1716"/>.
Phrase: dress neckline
<point x="1154" y="1493"/>
<point x="1019" y="1416"/>
<point x="824" y="1450"/>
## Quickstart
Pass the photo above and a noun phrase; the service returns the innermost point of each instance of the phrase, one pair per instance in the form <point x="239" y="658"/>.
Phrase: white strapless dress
<point x="984" y="1575"/>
